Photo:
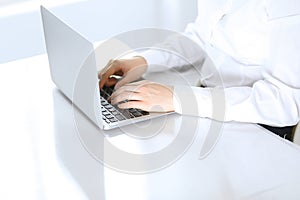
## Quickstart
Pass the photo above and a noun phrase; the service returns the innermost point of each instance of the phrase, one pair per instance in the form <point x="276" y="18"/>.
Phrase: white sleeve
<point x="177" y="49"/>
<point x="274" y="100"/>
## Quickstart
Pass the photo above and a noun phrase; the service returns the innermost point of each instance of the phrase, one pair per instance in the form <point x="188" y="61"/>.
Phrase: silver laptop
<point x="73" y="69"/>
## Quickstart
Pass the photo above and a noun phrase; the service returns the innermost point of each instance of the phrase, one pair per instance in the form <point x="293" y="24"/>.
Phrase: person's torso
<point x="234" y="34"/>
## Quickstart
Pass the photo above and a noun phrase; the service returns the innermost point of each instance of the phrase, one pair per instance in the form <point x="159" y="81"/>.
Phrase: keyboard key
<point x="107" y="121"/>
<point x="126" y="113"/>
<point x="115" y="112"/>
<point x="109" y="116"/>
<point x="144" y="112"/>
<point x="105" y="113"/>
<point x="113" y="120"/>
<point x="108" y="106"/>
<point x="120" y="117"/>
<point x="105" y="104"/>
<point x="112" y="109"/>
<point x="136" y="114"/>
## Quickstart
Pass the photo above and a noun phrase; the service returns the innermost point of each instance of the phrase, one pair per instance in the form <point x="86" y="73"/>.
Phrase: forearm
<point x="263" y="103"/>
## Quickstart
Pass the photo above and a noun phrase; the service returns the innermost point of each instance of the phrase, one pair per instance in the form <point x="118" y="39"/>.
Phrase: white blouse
<point x="251" y="61"/>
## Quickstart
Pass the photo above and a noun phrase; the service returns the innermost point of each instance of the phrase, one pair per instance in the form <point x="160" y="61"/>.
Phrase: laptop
<point x="73" y="69"/>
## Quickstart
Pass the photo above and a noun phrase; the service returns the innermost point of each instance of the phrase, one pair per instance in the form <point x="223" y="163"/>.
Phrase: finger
<point x="139" y="83"/>
<point x="123" y="89"/>
<point x="134" y="104"/>
<point x="126" y="96"/>
<point x="112" y="69"/>
<point x="128" y="78"/>
<point x="110" y="82"/>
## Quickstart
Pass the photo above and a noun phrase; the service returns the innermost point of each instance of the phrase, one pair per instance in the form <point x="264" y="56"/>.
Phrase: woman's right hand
<point x="129" y="69"/>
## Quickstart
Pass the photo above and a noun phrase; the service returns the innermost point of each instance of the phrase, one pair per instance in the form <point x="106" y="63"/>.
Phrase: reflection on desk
<point x="87" y="171"/>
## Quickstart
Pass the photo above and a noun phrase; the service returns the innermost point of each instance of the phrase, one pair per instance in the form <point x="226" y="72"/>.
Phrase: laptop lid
<point x="72" y="65"/>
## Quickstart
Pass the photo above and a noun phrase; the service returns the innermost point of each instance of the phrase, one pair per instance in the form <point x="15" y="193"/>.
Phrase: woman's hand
<point x="130" y="70"/>
<point x="144" y="95"/>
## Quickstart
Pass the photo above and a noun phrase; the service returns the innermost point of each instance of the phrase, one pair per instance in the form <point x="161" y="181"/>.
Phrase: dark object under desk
<point x="284" y="132"/>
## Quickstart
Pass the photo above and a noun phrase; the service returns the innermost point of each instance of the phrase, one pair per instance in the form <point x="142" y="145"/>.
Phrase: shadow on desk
<point x="86" y="171"/>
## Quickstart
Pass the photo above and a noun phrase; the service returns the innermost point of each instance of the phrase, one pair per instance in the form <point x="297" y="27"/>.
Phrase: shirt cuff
<point x="154" y="59"/>
<point x="193" y="101"/>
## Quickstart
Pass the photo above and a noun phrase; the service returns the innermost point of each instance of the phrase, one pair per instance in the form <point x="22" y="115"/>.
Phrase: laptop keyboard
<point x="111" y="113"/>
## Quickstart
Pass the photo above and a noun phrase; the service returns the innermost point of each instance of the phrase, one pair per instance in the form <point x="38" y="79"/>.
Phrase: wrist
<point x="140" y="63"/>
<point x="140" y="60"/>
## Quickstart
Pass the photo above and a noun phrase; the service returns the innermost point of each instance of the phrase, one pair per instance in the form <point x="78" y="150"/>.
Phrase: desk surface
<point x="45" y="156"/>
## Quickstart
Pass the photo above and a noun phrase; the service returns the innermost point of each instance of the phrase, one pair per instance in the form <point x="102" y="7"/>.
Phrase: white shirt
<point x="251" y="61"/>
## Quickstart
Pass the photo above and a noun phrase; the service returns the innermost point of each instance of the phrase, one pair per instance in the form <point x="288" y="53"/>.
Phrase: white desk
<point x="44" y="157"/>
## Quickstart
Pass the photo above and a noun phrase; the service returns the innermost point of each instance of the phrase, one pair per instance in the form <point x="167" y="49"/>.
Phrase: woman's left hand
<point x="144" y="95"/>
